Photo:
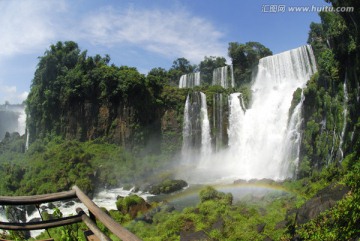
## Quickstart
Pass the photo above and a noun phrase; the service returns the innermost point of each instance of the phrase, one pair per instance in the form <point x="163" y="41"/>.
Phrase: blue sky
<point x="140" y="33"/>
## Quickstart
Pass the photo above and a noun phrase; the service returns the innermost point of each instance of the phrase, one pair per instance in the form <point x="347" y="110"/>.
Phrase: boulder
<point x="167" y="186"/>
<point x="323" y="200"/>
<point x="192" y="236"/>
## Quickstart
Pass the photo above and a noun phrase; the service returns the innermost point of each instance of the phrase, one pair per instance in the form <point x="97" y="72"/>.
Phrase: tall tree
<point x="245" y="57"/>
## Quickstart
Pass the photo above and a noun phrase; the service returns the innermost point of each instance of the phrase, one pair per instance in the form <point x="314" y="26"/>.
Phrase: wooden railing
<point x="90" y="220"/>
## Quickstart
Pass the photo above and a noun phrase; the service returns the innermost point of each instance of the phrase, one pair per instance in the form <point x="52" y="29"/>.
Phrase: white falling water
<point x="291" y="146"/>
<point x="186" y="146"/>
<point x="217" y="121"/>
<point x="258" y="137"/>
<point x="224" y="76"/>
<point x="346" y="98"/>
<point x="260" y="152"/>
<point x="236" y="116"/>
<point x="189" y="80"/>
<point x="205" y="131"/>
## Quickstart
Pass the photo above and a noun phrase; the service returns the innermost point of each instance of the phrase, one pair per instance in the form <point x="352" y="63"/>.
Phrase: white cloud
<point x="10" y="93"/>
<point x="27" y="25"/>
<point x="171" y="33"/>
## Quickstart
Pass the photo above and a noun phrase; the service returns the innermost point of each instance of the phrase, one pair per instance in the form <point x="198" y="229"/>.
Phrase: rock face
<point x="167" y="186"/>
<point x="323" y="200"/>
<point x="132" y="205"/>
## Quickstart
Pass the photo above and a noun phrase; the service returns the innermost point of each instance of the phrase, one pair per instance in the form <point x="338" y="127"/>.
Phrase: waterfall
<point x="263" y="141"/>
<point x="205" y="131"/>
<point x="196" y="128"/>
<point x="292" y="142"/>
<point x="221" y="76"/>
<point x="258" y="138"/>
<point x="186" y="146"/>
<point x="218" y="122"/>
<point x="189" y="80"/>
<point x="346" y="99"/>
<point x="236" y="117"/>
<point x="261" y="146"/>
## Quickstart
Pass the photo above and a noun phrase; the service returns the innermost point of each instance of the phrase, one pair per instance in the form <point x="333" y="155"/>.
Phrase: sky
<point x="142" y="33"/>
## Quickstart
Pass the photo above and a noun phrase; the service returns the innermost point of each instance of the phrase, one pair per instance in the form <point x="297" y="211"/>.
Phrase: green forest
<point x="95" y="125"/>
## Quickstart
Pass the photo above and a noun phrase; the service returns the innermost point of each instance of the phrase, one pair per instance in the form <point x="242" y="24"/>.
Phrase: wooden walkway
<point x="95" y="213"/>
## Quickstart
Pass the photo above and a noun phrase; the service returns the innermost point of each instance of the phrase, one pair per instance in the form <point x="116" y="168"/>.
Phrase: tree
<point x="180" y="67"/>
<point x="244" y="58"/>
<point x="208" y="65"/>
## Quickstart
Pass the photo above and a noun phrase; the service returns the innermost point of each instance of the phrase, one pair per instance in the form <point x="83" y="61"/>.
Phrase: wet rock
<point x="132" y="205"/>
<point x="34" y="220"/>
<point x="267" y="238"/>
<point x="281" y="224"/>
<point x="148" y="216"/>
<point x="219" y="225"/>
<point x="192" y="236"/>
<point x="30" y="209"/>
<point x="167" y="186"/>
<point x="66" y="205"/>
<point x="323" y="200"/>
<point x="260" y="227"/>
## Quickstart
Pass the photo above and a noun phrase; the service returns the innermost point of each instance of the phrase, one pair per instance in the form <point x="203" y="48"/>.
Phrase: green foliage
<point x="167" y="186"/>
<point x="244" y="58"/>
<point x="207" y="66"/>
<point x="209" y="193"/>
<point x="123" y="204"/>
<point x="180" y="67"/>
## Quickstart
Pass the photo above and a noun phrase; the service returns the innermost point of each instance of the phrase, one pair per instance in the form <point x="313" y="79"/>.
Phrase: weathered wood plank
<point x="37" y="199"/>
<point x="113" y="226"/>
<point x="94" y="234"/>
<point x="41" y="225"/>
<point x="90" y="236"/>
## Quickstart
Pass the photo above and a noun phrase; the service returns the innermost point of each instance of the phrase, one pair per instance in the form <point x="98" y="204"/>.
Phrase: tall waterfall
<point x="219" y="121"/>
<point x="236" y="116"/>
<point x="258" y="150"/>
<point x="189" y="80"/>
<point x="196" y="129"/>
<point x="263" y="141"/>
<point x="224" y="76"/>
<point x="205" y="131"/>
<point x="346" y="99"/>
<point x="292" y="142"/>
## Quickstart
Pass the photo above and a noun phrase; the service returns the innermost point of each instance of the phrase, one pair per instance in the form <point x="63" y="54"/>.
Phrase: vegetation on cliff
<point x="76" y="98"/>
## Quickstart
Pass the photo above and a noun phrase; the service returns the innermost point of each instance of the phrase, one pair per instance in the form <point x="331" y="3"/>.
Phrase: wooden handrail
<point x="41" y="225"/>
<point x="94" y="212"/>
<point x="37" y="199"/>
<point x="92" y="226"/>
<point x="113" y="226"/>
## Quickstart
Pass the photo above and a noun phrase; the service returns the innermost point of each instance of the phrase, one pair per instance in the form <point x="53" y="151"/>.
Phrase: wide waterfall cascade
<point x="224" y="76"/>
<point x="260" y="147"/>
<point x="263" y="141"/>
<point x="189" y="80"/>
<point x="196" y="129"/>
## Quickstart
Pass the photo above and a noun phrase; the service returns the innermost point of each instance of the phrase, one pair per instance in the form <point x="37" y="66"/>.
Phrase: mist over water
<point x="12" y="119"/>
<point x="263" y="140"/>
